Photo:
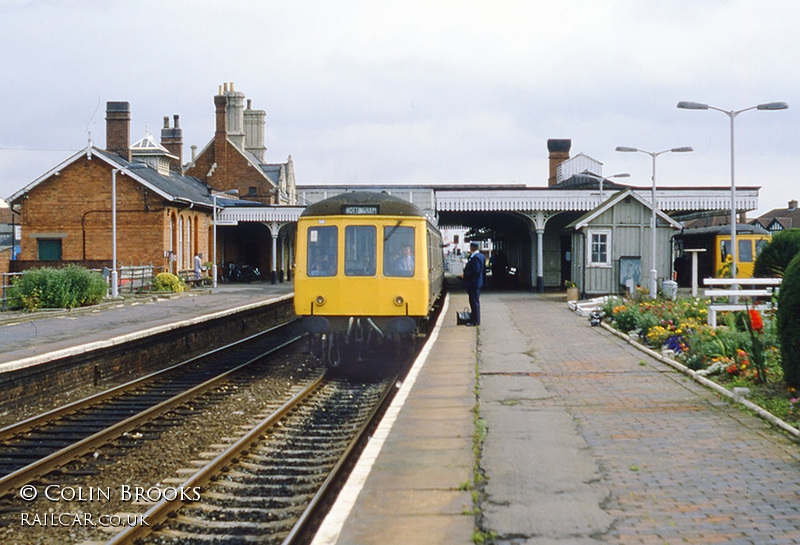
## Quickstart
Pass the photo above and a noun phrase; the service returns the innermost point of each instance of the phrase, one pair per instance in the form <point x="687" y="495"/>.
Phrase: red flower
<point x="755" y="320"/>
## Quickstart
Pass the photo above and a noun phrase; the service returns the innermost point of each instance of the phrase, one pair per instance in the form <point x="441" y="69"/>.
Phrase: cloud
<point x="418" y="91"/>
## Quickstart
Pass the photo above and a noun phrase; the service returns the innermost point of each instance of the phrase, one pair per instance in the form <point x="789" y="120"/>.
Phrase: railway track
<point x="267" y="486"/>
<point x="39" y="445"/>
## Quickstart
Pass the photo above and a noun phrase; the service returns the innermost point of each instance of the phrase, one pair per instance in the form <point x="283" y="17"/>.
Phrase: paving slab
<point x="26" y="335"/>
<point x="590" y="441"/>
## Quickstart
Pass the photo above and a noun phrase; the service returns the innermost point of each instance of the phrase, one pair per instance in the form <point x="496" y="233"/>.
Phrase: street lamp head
<point x="684" y="105"/>
<point x="625" y="148"/>
<point x="682" y="149"/>
<point x="620" y="175"/>
<point x="772" y="106"/>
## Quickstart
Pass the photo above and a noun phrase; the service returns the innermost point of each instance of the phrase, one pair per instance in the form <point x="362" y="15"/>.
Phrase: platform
<point x="588" y="441"/>
<point x="24" y="335"/>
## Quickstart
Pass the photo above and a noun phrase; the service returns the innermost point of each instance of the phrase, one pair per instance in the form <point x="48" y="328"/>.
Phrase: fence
<point x="759" y="290"/>
<point x="134" y="278"/>
<point x="6" y="281"/>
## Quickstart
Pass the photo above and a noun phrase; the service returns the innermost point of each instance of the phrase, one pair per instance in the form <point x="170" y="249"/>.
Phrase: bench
<point x="191" y="279"/>
<point x="760" y="290"/>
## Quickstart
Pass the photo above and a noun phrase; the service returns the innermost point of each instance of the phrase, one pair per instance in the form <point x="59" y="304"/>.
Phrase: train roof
<point x="363" y="203"/>
<point x="741" y="228"/>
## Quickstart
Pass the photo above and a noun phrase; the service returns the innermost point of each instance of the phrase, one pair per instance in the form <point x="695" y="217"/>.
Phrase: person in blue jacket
<point x="473" y="281"/>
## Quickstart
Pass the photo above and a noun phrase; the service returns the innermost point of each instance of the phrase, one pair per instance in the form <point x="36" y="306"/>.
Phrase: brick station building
<point x="164" y="210"/>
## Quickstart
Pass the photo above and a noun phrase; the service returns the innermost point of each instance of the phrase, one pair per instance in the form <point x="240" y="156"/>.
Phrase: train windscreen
<point x="398" y="251"/>
<point x="322" y="250"/>
<point x="359" y="250"/>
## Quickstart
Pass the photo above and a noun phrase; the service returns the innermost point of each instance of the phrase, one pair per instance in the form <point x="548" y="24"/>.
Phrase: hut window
<point x="599" y="249"/>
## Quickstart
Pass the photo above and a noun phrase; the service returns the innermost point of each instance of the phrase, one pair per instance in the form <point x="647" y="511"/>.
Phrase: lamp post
<point x="214" y="243"/>
<point x="114" y="272"/>
<point x="653" y="221"/>
<point x="601" y="179"/>
<point x="684" y="105"/>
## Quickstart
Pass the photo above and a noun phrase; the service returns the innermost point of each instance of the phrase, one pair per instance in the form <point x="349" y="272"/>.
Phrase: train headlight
<point x="399" y="300"/>
<point x="320" y="300"/>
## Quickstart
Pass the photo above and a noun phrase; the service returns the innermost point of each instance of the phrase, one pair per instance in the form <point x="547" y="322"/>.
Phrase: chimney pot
<point x="166" y="122"/>
<point x="177" y="118"/>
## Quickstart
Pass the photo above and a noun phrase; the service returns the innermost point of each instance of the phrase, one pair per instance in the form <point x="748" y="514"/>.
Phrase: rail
<point x="760" y="291"/>
<point x="159" y="513"/>
<point x="43" y="465"/>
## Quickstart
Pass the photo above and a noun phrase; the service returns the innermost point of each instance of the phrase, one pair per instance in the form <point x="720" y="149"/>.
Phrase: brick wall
<point x="233" y="171"/>
<point x="5" y="258"/>
<point x="124" y="362"/>
<point x="75" y="207"/>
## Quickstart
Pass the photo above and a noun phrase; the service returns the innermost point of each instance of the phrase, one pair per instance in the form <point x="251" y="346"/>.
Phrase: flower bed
<point x="741" y="353"/>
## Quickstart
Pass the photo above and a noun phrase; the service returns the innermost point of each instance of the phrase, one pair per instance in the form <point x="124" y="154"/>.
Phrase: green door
<point x="49" y="249"/>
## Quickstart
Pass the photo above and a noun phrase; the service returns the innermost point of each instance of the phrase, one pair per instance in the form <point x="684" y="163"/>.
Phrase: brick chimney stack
<point x="220" y="137"/>
<point x="118" y="128"/>
<point x="559" y="152"/>
<point x="172" y="138"/>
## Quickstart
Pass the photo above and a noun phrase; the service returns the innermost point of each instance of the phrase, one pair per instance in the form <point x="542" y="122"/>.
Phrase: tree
<point x="777" y="255"/>
<point x="788" y="322"/>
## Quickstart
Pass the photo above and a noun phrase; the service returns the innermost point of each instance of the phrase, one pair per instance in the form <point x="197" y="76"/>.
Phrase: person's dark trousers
<point x="474" y="305"/>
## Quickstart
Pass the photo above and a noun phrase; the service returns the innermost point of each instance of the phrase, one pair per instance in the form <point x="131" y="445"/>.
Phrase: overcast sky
<point x="418" y="91"/>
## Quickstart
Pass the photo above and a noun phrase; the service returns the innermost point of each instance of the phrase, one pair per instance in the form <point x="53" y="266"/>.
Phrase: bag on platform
<point x="463" y="317"/>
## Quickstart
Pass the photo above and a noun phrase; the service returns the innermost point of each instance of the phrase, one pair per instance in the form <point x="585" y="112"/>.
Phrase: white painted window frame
<point x="590" y="233"/>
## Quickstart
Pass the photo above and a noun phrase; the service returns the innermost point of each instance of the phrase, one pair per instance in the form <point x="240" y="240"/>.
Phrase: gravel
<point x="147" y="457"/>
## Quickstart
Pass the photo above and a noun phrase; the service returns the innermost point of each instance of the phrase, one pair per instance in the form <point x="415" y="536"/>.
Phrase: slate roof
<point x="786" y="217"/>
<point x="579" y="181"/>
<point x="173" y="186"/>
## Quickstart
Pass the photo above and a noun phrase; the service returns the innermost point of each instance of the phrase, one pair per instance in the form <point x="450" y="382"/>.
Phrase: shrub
<point x="626" y="318"/>
<point x="776" y="256"/>
<point x="788" y="322"/>
<point x="69" y="287"/>
<point x="168" y="282"/>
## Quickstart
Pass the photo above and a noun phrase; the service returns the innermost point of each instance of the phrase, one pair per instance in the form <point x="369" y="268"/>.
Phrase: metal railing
<point x="135" y="278"/>
<point x="6" y="280"/>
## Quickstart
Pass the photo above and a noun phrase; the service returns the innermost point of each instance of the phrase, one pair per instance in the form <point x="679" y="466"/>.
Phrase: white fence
<point x="760" y="291"/>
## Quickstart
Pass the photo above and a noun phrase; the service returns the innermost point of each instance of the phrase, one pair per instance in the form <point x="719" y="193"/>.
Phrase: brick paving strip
<point x="591" y="441"/>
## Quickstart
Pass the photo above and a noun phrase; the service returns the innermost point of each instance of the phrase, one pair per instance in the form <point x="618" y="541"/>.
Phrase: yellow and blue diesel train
<point x="369" y="270"/>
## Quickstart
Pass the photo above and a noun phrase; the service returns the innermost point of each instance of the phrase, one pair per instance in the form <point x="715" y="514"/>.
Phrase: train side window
<point x="359" y="250"/>
<point x="398" y="251"/>
<point x="724" y="249"/>
<point x="745" y="250"/>
<point x="322" y="250"/>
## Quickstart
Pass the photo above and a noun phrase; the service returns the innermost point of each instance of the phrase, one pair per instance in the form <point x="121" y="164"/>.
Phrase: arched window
<point x="180" y="244"/>
<point x="189" y="242"/>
